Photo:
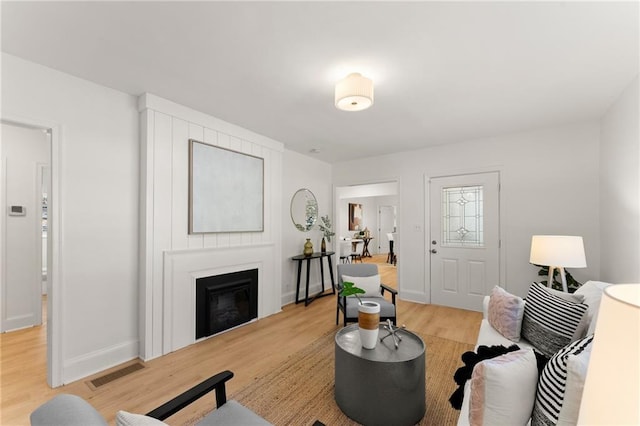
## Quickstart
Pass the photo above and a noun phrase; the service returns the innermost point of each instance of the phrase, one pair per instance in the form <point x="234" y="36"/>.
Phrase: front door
<point x="464" y="241"/>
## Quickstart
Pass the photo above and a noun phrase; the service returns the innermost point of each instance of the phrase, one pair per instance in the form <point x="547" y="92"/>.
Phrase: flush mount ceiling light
<point x="354" y="93"/>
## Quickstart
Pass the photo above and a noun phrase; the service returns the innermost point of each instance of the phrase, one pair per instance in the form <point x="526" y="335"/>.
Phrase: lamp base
<point x="563" y="278"/>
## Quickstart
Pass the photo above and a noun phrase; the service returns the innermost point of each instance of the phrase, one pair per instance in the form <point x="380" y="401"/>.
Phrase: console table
<point x="365" y="247"/>
<point x="317" y="255"/>
<point x="381" y="386"/>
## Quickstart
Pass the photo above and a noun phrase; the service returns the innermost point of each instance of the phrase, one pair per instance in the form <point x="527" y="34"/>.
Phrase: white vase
<point x="368" y="322"/>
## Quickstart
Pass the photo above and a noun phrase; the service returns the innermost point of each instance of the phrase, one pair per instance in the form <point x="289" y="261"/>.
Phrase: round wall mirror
<point x="304" y="210"/>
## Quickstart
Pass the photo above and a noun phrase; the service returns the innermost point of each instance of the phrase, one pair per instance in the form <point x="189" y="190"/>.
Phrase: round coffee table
<point x="381" y="386"/>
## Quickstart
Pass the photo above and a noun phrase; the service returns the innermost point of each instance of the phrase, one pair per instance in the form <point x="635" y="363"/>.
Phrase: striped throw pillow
<point x="550" y="322"/>
<point x="552" y="384"/>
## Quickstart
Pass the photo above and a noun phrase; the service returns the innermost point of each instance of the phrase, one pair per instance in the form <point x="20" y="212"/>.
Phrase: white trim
<point x="96" y="361"/>
<point x="181" y="268"/>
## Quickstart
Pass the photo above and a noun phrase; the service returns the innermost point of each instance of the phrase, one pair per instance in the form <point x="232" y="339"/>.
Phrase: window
<point x="462" y="220"/>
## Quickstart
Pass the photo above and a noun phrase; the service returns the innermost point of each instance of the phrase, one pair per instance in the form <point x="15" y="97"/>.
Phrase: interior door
<point x="387" y="220"/>
<point x="464" y="239"/>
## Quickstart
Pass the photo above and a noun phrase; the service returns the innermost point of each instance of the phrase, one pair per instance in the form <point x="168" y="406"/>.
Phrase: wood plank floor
<point x="249" y="351"/>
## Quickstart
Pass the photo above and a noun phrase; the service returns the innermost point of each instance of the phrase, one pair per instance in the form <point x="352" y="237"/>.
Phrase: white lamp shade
<point x="611" y="394"/>
<point x="558" y="250"/>
<point x="354" y="93"/>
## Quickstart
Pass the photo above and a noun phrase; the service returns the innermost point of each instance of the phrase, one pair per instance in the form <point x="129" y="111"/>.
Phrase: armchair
<point x="71" y="410"/>
<point x="349" y="305"/>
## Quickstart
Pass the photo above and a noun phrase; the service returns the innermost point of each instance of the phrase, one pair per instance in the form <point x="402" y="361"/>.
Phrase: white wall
<point x="23" y="150"/>
<point x="166" y="130"/>
<point x="99" y="157"/>
<point x="620" y="189"/>
<point x="549" y="179"/>
<point x="300" y="171"/>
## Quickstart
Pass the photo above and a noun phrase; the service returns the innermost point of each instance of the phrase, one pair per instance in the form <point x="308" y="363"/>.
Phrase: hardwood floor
<point x="249" y="351"/>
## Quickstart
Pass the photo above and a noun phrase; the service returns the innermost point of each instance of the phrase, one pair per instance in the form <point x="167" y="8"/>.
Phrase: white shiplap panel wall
<point x="167" y="128"/>
<point x="180" y="180"/>
<point x="195" y="132"/>
<point x="210" y="137"/>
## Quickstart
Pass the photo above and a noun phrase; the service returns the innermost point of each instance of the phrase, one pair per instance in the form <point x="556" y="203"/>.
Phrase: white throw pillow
<point x="124" y="418"/>
<point x="370" y="285"/>
<point x="592" y="292"/>
<point x="505" y="313"/>
<point x="503" y="389"/>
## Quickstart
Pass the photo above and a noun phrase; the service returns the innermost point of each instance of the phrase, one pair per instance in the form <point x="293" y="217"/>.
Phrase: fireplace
<point x="225" y="301"/>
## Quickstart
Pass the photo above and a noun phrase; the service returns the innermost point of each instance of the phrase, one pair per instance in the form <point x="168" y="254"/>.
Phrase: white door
<point x="464" y="239"/>
<point x="387" y="221"/>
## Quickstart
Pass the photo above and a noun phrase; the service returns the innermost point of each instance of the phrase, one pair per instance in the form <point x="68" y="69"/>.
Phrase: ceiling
<point x="443" y="71"/>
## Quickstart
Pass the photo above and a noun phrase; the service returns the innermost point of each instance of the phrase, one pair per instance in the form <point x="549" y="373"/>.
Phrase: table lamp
<point x="557" y="251"/>
<point x="611" y="394"/>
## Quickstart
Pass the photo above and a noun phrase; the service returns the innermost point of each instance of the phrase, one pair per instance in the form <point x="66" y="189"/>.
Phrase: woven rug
<point x="300" y="391"/>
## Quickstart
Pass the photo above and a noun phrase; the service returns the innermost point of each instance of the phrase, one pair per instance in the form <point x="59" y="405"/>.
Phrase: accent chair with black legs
<point x="366" y="277"/>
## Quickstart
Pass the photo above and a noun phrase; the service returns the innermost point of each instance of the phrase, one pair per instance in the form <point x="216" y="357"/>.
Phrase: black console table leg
<point x="306" y="296"/>
<point x="298" y="283"/>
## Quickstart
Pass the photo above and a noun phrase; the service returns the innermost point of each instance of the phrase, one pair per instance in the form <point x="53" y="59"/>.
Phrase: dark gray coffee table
<point x="381" y="386"/>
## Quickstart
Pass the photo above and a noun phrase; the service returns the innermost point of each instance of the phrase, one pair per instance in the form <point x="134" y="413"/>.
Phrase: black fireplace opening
<point x="225" y="301"/>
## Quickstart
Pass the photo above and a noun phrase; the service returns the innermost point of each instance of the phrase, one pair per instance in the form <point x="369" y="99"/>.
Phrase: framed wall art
<point x="226" y="190"/>
<point x="355" y="217"/>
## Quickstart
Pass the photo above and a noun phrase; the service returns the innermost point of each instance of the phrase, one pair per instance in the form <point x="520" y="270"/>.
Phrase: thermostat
<point x="17" y="211"/>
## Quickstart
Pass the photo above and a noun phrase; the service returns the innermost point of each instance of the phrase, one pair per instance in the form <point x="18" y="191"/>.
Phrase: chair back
<point x="356" y="270"/>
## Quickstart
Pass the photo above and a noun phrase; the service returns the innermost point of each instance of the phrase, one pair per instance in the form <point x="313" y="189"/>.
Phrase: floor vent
<point x="114" y="375"/>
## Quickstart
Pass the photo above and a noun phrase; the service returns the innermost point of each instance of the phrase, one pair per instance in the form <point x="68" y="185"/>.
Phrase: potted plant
<point x="325" y="227"/>
<point x="368" y="315"/>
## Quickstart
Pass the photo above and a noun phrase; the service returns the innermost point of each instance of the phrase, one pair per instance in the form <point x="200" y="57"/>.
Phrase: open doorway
<point x="366" y="239"/>
<point x="29" y="235"/>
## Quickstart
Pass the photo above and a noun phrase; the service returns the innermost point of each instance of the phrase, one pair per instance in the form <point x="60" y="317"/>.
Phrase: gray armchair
<point x="71" y="410"/>
<point x="349" y="305"/>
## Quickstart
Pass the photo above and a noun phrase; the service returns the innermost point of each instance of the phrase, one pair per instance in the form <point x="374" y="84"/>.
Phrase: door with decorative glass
<point x="464" y="241"/>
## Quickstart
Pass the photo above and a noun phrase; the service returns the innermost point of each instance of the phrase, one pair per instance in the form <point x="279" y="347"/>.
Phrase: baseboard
<point x="414" y="296"/>
<point x="20" y="322"/>
<point x="290" y="297"/>
<point x="85" y="365"/>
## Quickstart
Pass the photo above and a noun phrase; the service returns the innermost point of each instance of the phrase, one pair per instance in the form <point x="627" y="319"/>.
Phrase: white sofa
<point x="592" y="293"/>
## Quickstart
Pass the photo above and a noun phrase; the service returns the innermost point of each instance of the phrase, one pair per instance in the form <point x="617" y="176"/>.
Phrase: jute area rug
<point x="300" y="391"/>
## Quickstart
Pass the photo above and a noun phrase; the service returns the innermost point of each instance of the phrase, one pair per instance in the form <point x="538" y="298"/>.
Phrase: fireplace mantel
<point x="183" y="267"/>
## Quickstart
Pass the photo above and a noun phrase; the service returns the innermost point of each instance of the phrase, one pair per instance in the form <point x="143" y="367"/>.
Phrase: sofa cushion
<point x="550" y="322"/>
<point x="552" y="386"/>
<point x="503" y="389"/>
<point x="505" y="313"/>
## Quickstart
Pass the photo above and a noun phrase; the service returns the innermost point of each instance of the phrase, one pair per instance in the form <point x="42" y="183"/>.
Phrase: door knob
<point x="434" y="251"/>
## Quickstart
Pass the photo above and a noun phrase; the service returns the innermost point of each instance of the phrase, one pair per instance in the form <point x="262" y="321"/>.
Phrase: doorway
<point x="379" y="211"/>
<point x="386" y="226"/>
<point x="464" y="243"/>
<point x="43" y="253"/>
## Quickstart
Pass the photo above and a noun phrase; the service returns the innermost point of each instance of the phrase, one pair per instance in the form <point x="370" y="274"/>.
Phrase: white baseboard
<point x="94" y="362"/>
<point x="414" y="296"/>
<point x="290" y="297"/>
